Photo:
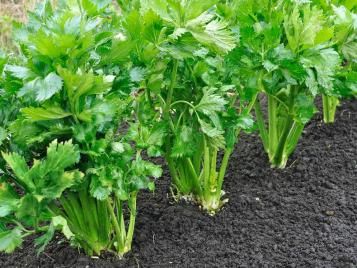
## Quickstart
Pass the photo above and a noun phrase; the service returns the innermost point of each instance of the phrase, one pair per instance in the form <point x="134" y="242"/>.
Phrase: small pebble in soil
<point x="330" y="213"/>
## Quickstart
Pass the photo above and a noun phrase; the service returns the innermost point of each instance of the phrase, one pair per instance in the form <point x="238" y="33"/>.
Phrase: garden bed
<point x="302" y="216"/>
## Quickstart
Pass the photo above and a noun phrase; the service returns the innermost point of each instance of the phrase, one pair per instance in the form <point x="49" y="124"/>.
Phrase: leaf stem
<point x="116" y="227"/>
<point x="171" y="89"/>
<point x="330" y="104"/>
<point x="131" y="228"/>
<point x="222" y="171"/>
<point x="273" y="136"/>
<point x="261" y="125"/>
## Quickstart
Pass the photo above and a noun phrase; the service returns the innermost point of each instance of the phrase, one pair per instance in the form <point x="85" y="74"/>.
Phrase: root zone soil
<point x="302" y="216"/>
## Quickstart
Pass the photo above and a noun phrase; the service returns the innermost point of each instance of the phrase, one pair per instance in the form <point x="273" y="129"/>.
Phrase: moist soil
<point x="302" y="216"/>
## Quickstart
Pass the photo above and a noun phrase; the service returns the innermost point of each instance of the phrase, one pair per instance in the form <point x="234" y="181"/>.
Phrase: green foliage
<point x="93" y="94"/>
<point x="342" y="19"/>
<point x="288" y="52"/>
<point x="9" y="105"/>
<point x="186" y="109"/>
<point x="42" y="184"/>
<point x="70" y="101"/>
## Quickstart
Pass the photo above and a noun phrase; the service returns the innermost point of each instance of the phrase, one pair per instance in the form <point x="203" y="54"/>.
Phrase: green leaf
<point x="211" y="103"/>
<point x="195" y="8"/>
<point x="153" y="31"/>
<point x="153" y="170"/>
<point x="183" y="143"/>
<point x="18" y="164"/>
<point x="82" y="84"/>
<point x="61" y="223"/>
<point x="344" y="24"/>
<point x="54" y="185"/>
<point x="103" y="180"/>
<point x="60" y="156"/>
<point x="19" y="71"/>
<point x="155" y="82"/>
<point x="119" y="52"/>
<point x="150" y="138"/>
<point x="57" y="223"/>
<point x="23" y="131"/>
<point x="118" y="147"/>
<point x="101" y="112"/>
<point x="95" y="7"/>
<point x="302" y="28"/>
<point x="42" y="88"/>
<point x="10" y="240"/>
<point x="28" y="210"/>
<point x="151" y="186"/>
<point x="192" y="17"/>
<point x="325" y="63"/>
<point x="324" y="35"/>
<point x="304" y="108"/>
<point x="44" y="114"/>
<point x="269" y="66"/>
<point x="97" y="190"/>
<point x="8" y="200"/>
<point x="137" y="74"/>
<point x="214" y="135"/>
<point x="160" y="7"/>
<point x="42" y="241"/>
<point x="3" y="61"/>
<point x="245" y="122"/>
<point x="157" y="134"/>
<point x="48" y="178"/>
<point x="48" y="87"/>
<point x="349" y="50"/>
<point x="132" y="26"/>
<point x="45" y="44"/>
<point x="212" y="32"/>
<point x="209" y="130"/>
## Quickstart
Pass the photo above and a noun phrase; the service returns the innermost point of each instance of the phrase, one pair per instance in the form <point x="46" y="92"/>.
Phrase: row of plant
<point x="97" y="90"/>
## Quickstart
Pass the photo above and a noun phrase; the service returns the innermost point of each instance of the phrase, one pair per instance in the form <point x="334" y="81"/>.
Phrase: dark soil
<point x="302" y="216"/>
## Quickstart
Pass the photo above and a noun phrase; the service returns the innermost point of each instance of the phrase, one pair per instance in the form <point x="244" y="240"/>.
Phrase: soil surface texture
<point x="302" y="216"/>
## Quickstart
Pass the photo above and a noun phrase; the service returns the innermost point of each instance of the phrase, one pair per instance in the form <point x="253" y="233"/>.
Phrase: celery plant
<point x="343" y="22"/>
<point x="69" y="90"/>
<point x="187" y="102"/>
<point x="286" y="54"/>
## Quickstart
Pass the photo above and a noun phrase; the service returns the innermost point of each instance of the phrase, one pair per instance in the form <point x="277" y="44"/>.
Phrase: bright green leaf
<point x="10" y="240"/>
<point x="44" y="114"/>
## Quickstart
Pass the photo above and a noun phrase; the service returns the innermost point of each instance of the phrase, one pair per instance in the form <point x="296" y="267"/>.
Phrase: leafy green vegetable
<point x="43" y="183"/>
<point x="287" y="53"/>
<point x="94" y="94"/>
<point x="70" y="90"/>
<point x="343" y="22"/>
<point x="182" y="110"/>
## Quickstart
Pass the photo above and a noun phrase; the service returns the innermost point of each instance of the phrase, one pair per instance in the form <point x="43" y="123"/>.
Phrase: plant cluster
<point x="291" y="52"/>
<point x="187" y="112"/>
<point x="87" y="180"/>
<point x="98" y="91"/>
